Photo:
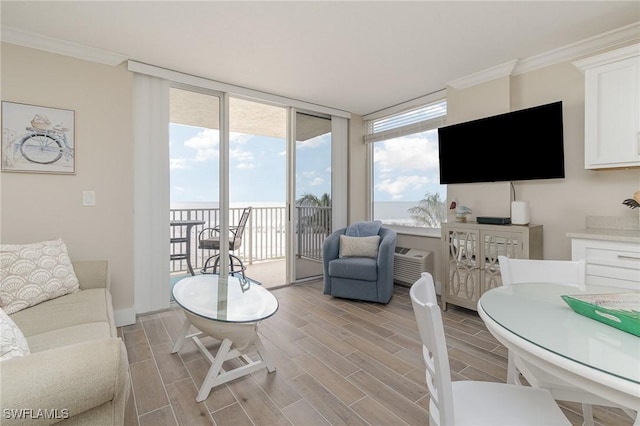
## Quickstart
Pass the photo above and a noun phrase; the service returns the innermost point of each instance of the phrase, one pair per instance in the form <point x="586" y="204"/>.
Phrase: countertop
<point x="610" y="228"/>
<point x="622" y="235"/>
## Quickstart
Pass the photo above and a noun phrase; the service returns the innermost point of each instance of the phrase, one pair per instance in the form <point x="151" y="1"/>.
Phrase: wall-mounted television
<point x="520" y="145"/>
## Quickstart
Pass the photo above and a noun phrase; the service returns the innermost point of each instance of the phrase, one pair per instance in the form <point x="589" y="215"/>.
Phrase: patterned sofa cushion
<point x="34" y="273"/>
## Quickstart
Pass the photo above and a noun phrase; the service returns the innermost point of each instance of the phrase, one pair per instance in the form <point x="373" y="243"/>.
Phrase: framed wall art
<point x="37" y="139"/>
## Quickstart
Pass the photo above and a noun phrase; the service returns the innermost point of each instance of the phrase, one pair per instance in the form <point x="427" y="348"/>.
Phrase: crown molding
<point x="54" y="45"/>
<point x="608" y="57"/>
<point x="605" y="41"/>
<point x="601" y="42"/>
<point x="608" y="40"/>
<point x="483" y="76"/>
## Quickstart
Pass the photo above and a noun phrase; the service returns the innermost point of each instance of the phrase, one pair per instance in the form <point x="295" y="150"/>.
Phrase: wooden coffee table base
<point x="237" y="339"/>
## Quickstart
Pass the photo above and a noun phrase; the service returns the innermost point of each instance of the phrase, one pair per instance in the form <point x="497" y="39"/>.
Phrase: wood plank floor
<point x="338" y="362"/>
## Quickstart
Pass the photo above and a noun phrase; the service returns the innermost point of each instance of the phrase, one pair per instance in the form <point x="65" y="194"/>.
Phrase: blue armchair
<point x="362" y="278"/>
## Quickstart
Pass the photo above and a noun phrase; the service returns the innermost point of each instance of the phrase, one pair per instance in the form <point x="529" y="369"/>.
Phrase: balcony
<point x="263" y="248"/>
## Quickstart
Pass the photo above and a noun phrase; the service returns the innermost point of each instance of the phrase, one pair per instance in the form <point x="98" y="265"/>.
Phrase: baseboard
<point x="437" y="284"/>
<point x="124" y="317"/>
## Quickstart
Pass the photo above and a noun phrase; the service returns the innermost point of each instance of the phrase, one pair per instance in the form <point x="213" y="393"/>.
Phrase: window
<point x="405" y="172"/>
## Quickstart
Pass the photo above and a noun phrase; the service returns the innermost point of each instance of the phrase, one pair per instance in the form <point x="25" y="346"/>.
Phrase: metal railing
<point x="264" y="236"/>
<point x="313" y="227"/>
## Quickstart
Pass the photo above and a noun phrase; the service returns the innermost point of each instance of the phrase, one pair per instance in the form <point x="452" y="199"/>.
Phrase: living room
<point x="38" y="207"/>
<point x="102" y="96"/>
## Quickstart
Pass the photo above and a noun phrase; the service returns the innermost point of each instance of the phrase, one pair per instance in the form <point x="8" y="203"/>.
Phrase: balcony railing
<point x="313" y="226"/>
<point x="264" y="236"/>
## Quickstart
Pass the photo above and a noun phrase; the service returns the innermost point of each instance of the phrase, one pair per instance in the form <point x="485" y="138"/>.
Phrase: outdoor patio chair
<point x="209" y="239"/>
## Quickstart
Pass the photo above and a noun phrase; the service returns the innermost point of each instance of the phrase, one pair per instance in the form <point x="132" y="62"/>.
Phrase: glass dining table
<point x="533" y="320"/>
<point x="183" y="241"/>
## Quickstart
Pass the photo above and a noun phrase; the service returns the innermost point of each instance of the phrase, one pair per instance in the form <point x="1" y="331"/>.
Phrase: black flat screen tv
<point x="520" y="145"/>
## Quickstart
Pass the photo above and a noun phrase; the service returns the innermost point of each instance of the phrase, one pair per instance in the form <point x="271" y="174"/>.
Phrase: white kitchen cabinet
<point x="612" y="108"/>
<point x="613" y="263"/>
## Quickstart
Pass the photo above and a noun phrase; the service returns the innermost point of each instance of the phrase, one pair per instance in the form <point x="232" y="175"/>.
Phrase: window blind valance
<point x="426" y="117"/>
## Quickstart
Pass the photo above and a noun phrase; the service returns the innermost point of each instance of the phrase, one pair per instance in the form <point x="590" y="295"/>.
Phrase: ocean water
<point x="233" y="205"/>
<point x="394" y="212"/>
<point x="385" y="210"/>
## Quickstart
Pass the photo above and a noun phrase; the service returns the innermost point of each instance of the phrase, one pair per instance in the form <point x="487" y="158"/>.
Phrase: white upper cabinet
<point x="612" y="108"/>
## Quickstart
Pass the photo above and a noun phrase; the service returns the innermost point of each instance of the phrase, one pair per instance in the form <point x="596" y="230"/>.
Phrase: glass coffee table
<point x="228" y="310"/>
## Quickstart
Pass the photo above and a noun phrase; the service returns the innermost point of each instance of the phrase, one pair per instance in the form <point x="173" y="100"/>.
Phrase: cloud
<point x="205" y="143"/>
<point x="178" y="163"/>
<point x="313" y="142"/>
<point x="407" y="153"/>
<point x="239" y="138"/>
<point x="396" y="187"/>
<point x="317" y="181"/>
<point x="242" y="159"/>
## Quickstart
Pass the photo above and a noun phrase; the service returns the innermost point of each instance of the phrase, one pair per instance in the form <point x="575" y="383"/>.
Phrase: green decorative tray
<point x="619" y="310"/>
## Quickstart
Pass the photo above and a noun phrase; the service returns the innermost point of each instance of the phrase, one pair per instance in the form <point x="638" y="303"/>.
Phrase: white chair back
<point x="515" y="271"/>
<point x="434" y="350"/>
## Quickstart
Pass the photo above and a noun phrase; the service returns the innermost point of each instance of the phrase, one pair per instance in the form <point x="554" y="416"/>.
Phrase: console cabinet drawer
<point x="611" y="263"/>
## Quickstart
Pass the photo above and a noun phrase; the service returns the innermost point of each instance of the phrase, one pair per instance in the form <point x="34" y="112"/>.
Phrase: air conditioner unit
<point x="408" y="264"/>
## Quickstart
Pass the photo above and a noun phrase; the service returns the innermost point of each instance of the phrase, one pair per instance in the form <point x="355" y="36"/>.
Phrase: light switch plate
<point x="88" y="198"/>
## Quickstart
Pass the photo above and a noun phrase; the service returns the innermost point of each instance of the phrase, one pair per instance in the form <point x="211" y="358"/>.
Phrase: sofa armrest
<point x="330" y="251"/>
<point x="386" y="252"/>
<point x="65" y="381"/>
<point x="387" y="248"/>
<point x="92" y="273"/>
<point x="331" y="245"/>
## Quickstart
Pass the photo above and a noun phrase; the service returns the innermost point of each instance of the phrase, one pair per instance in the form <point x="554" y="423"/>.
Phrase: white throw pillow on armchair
<point x="34" y="273"/>
<point x="359" y="246"/>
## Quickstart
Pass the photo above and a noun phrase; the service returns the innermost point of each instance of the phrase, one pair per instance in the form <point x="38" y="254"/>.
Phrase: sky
<point x="405" y="170"/>
<point x="257" y="166"/>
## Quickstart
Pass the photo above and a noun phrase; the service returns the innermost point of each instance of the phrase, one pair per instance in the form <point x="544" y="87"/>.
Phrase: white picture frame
<point x="37" y="139"/>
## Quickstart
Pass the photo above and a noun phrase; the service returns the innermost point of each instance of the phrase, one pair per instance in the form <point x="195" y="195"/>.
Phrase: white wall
<point x="38" y="207"/>
<point x="358" y="188"/>
<point x="560" y="205"/>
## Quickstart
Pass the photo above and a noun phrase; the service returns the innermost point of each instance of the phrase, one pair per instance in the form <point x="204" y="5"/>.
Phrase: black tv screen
<point x="520" y="145"/>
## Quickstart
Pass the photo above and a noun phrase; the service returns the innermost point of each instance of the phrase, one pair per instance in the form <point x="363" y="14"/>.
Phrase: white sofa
<point x="77" y="369"/>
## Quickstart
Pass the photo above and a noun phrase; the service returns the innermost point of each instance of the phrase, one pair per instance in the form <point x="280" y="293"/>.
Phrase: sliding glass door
<point x="257" y="180"/>
<point x="311" y="179"/>
<point x="291" y="200"/>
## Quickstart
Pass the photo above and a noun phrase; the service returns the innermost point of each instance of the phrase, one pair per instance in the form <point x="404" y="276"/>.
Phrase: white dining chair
<point x="570" y="272"/>
<point x="471" y="402"/>
<point x="515" y="271"/>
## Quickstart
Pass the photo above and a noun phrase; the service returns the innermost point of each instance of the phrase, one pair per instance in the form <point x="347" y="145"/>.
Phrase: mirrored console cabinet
<point x="471" y="253"/>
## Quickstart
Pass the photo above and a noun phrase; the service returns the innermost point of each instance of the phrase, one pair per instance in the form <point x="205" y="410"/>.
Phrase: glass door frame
<point x="151" y="121"/>
<point x="339" y="175"/>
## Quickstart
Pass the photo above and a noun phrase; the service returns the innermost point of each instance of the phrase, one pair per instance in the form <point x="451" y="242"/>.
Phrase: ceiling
<point x="358" y="56"/>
